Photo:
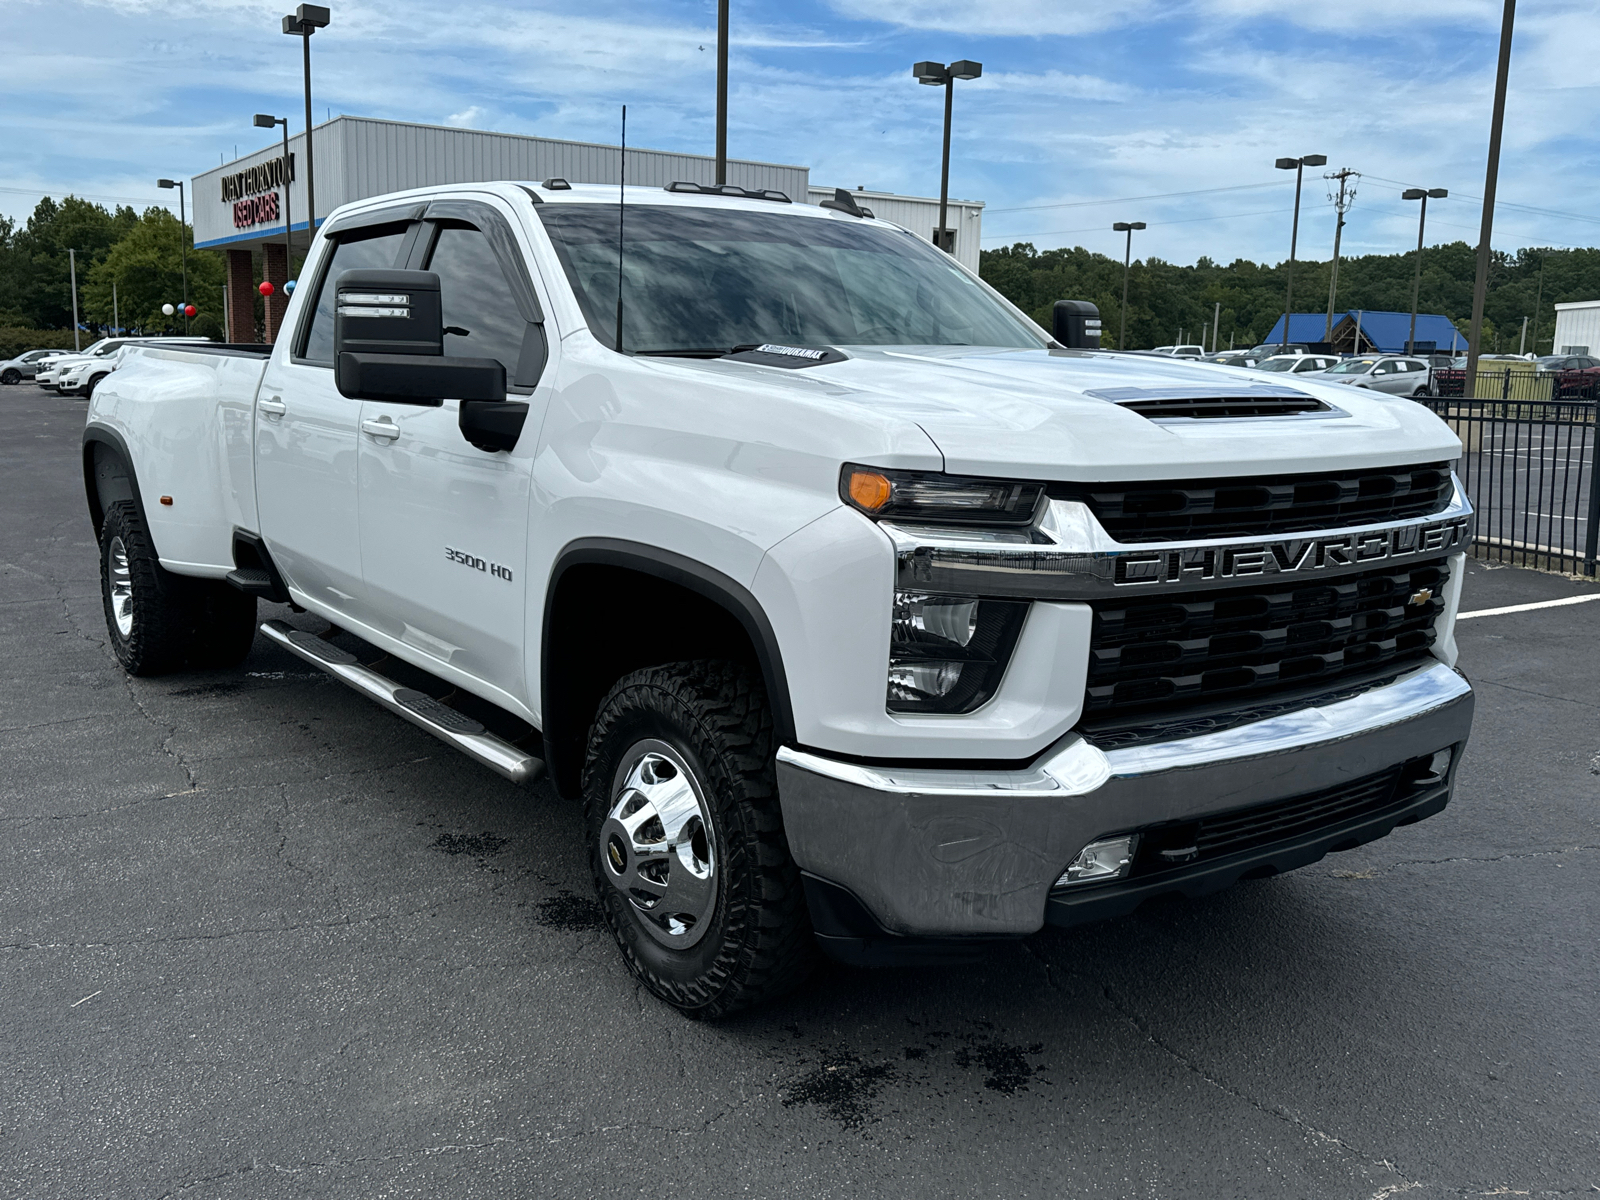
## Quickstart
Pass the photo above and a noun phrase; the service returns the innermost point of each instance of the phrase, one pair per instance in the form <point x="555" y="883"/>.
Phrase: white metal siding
<point x="358" y="157"/>
<point x="1578" y="324"/>
<point x="920" y="215"/>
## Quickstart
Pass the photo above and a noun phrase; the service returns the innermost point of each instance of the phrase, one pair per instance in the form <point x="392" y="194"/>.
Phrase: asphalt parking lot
<point x="260" y="938"/>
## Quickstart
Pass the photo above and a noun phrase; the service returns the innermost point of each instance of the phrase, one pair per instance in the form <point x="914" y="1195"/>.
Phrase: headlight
<point x="938" y="499"/>
<point x="947" y="654"/>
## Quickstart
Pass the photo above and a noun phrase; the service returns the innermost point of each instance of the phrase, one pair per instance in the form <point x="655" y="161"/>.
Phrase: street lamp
<point x="183" y="238"/>
<point x="267" y="121"/>
<point x="307" y="19"/>
<point x="1127" y="258"/>
<point x="1297" y="165"/>
<point x="1416" y="284"/>
<point x="934" y="74"/>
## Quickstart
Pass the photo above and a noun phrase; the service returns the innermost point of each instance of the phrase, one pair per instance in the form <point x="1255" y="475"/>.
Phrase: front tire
<point x="10" y="376"/>
<point x="158" y="621"/>
<point x="686" y="839"/>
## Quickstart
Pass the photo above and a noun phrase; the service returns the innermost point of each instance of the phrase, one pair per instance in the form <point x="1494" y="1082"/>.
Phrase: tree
<point x="35" y="266"/>
<point x="147" y="265"/>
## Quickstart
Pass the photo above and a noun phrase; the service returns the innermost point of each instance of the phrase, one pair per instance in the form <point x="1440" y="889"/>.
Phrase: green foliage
<point x="1164" y="298"/>
<point x="15" y="340"/>
<point x="147" y="266"/>
<point x="144" y="254"/>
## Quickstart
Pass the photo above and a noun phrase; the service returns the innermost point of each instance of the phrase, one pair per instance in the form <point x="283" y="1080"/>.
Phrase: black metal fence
<point x="1532" y="471"/>
<point x="1525" y="385"/>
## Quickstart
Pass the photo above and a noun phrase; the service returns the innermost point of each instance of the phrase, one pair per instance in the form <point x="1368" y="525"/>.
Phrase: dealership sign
<point x="253" y="191"/>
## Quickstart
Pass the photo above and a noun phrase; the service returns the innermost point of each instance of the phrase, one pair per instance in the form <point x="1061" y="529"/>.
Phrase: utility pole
<point x="1480" y="285"/>
<point x="116" y="323"/>
<point x="1522" y="342"/>
<point x="722" y="92"/>
<point x="1216" y="321"/>
<point x="1538" y="302"/>
<point x="72" y="266"/>
<point x="1341" y="204"/>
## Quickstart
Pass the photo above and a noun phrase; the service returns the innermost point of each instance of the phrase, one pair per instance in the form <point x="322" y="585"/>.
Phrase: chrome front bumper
<point x="957" y="853"/>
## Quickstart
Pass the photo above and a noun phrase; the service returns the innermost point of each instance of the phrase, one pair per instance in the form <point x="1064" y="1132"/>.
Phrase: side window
<point x="477" y="300"/>
<point x="364" y="248"/>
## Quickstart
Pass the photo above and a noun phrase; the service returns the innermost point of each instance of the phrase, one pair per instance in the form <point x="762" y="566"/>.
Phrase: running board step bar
<point x="422" y="710"/>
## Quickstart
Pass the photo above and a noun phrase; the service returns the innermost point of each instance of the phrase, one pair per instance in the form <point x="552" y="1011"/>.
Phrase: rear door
<point x="444" y="525"/>
<point x="306" y="432"/>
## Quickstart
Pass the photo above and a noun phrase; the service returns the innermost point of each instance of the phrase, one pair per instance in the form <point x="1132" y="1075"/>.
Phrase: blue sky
<point x="1086" y="114"/>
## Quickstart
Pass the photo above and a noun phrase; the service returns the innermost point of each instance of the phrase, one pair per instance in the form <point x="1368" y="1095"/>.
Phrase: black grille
<point x="1222" y="834"/>
<point x="1226" y="406"/>
<point x="1164" y="655"/>
<point x="1274" y="504"/>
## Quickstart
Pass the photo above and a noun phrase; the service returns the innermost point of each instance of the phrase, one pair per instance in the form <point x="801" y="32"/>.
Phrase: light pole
<point x="722" y="92"/>
<point x="183" y="237"/>
<point x="307" y="19"/>
<point x="1416" y="283"/>
<point x="934" y="74"/>
<point x="266" y="121"/>
<point x="1297" y="165"/>
<point x="1127" y="259"/>
<point x="1480" y="283"/>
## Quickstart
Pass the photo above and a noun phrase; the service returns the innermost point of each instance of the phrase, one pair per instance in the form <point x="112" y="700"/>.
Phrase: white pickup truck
<point x="858" y="611"/>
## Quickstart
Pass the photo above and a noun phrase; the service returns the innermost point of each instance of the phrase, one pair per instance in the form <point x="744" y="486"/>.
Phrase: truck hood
<point x="1045" y="414"/>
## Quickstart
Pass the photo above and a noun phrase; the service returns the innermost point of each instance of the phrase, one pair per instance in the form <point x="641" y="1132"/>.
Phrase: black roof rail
<point x="729" y="189"/>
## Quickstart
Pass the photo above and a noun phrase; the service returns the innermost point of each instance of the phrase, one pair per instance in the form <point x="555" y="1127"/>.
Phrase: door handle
<point x="383" y="427"/>
<point x="273" y="406"/>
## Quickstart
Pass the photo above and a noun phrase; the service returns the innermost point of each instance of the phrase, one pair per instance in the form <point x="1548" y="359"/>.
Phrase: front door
<point x="444" y="526"/>
<point x="306" y="444"/>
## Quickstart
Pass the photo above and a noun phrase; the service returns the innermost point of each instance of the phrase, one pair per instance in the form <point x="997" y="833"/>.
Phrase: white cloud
<point x="997" y="18"/>
<point x="467" y="118"/>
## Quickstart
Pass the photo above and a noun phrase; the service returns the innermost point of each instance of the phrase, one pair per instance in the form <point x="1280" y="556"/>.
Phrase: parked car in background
<point x="1268" y="349"/>
<point x="53" y="371"/>
<point x="23" y="366"/>
<point x="1181" y="351"/>
<point x="1554" y="363"/>
<point x="1298" y="364"/>
<point x="1234" y="358"/>
<point x="1392" y="373"/>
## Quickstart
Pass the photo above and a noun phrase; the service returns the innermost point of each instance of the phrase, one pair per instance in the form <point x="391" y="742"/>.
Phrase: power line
<point x="1242" y="187"/>
<point x="1544" y="212"/>
<point x="42" y="193"/>
<point x="1153" y="224"/>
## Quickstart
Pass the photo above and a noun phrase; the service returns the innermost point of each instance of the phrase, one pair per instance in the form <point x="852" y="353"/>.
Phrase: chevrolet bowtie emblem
<point x="1418" y="598"/>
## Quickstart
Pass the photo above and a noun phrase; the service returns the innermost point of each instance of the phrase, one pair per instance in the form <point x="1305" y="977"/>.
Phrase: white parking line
<point x="1516" y="608"/>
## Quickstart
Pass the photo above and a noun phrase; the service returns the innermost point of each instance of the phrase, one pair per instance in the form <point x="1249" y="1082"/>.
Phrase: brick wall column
<point x="277" y="272"/>
<point x="241" y="297"/>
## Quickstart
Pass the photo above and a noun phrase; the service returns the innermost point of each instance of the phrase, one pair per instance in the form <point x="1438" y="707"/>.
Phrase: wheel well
<point x="107" y="478"/>
<point x="610" y="613"/>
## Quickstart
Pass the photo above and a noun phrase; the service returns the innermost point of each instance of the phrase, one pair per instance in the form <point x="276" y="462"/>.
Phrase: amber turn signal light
<point x="869" y="490"/>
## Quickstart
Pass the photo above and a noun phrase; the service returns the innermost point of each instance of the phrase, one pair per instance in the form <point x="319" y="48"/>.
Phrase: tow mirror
<point x="388" y="343"/>
<point x="1076" y="324"/>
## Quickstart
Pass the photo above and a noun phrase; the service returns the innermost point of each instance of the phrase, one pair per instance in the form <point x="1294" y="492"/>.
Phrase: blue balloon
<point x="289" y="287"/>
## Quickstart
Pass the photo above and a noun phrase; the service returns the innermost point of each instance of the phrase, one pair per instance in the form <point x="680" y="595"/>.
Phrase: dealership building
<point x="241" y="208"/>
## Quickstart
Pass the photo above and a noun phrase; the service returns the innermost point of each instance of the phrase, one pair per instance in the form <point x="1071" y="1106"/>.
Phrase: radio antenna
<point x="622" y="191"/>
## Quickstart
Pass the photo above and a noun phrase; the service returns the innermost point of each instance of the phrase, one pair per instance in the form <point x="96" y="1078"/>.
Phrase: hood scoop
<point x="1207" y="403"/>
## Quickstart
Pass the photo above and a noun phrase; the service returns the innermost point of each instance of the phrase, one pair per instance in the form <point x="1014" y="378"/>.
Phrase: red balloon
<point x="189" y="310"/>
<point x="266" y="288"/>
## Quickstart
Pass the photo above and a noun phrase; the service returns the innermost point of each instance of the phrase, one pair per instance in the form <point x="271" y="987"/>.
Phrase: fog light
<point x="1099" y="861"/>
<point x="922" y="680"/>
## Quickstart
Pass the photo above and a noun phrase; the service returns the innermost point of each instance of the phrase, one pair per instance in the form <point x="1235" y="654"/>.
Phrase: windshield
<point x="1278" y="364"/>
<point x="1354" y="366"/>
<point x="705" y="280"/>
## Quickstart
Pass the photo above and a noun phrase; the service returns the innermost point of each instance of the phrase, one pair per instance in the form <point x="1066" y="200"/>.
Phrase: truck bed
<point x="185" y="413"/>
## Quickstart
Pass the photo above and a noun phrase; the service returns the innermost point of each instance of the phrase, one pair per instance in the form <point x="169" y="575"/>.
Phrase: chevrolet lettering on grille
<point x="1285" y="556"/>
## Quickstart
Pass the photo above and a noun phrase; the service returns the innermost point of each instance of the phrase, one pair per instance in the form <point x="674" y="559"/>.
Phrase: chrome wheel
<point x="657" y="847"/>
<point x="121" y="588"/>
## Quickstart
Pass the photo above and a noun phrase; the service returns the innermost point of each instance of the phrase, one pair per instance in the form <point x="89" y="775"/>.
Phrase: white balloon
<point x="167" y="310"/>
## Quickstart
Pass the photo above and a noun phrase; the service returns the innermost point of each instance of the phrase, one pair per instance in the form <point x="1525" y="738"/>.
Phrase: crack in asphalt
<point x="1480" y="681"/>
<point x="1374" y="872"/>
<point x="1129" y="1014"/>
